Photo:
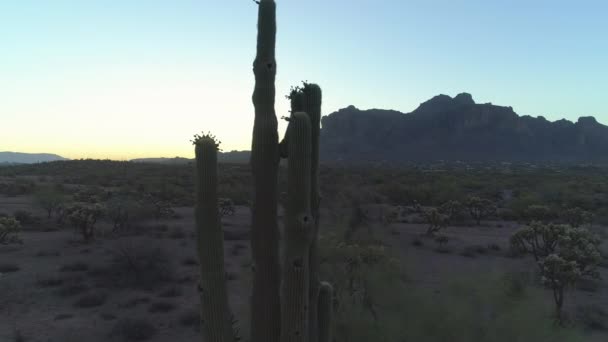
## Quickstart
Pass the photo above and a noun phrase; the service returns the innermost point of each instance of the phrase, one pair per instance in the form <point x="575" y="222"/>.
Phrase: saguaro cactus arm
<point x="215" y="313"/>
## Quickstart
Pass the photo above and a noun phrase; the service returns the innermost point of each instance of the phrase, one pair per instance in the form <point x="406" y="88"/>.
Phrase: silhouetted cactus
<point x="216" y="322"/>
<point x="265" y="302"/>
<point x="273" y="316"/>
<point x="299" y="230"/>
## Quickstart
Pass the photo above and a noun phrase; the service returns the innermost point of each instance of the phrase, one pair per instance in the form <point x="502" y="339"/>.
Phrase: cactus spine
<point x="265" y="301"/>
<point x="298" y="232"/>
<point x="215" y="313"/>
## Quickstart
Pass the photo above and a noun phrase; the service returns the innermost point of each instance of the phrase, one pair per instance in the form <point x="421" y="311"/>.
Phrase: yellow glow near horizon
<point x="137" y="115"/>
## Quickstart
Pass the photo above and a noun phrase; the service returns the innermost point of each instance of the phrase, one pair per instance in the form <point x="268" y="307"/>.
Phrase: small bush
<point x="141" y="266"/>
<point x="72" y="290"/>
<point x="494" y="247"/>
<point x="177" y="233"/>
<point x="25" y="217"/>
<point x="106" y="316"/>
<point x="50" y="281"/>
<point x="91" y="300"/>
<point x="190" y="318"/>
<point x="190" y="261"/>
<point x="161" y="307"/>
<point x="131" y="303"/>
<point x="75" y="267"/>
<point x="9" y="268"/>
<point x="417" y="242"/>
<point x="63" y="316"/>
<point x="593" y="317"/>
<point x="171" y="292"/>
<point x="134" y="329"/>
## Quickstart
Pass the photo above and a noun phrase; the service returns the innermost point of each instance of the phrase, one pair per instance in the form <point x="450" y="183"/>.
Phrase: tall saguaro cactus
<point x="215" y="312"/>
<point x="287" y="306"/>
<point x="312" y="106"/>
<point x="299" y="227"/>
<point x="265" y="302"/>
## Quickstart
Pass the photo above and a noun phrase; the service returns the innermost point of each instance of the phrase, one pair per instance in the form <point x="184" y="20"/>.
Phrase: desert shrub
<point x="577" y="217"/>
<point x="479" y="208"/>
<point x="564" y="256"/>
<point x="190" y="318"/>
<point x="122" y="211"/>
<point x="541" y="213"/>
<point x="49" y="200"/>
<point x="50" y="281"/>
<point x="77" y="266"/>
<point x="417" y="242"/>
<point x="171" y="292"/>
<point x="25" y="217"/>
<point x="161" y="307"/>
<point x="453" y="210"/>
<point x="593" y="317"/>
<point x="386" y="307"/>
<point x="91" y="300"/>
<point x="435" y="220"/>
<point x="441" y="241"/>
<point x="83" y="218"/>
<point x="71" y="290"/>
<point x="134" y="329"/>
<point x="139" y="265"/>
<point x="9" y="268"/>
<point x="133" y="302"/>
<point x="226" y="207"/>
<point x="190" y="261"/>
<point x="9" y="230"/>
<point x="177" y="233"/>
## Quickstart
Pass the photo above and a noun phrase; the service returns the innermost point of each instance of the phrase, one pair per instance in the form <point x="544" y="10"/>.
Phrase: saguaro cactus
<point x="280" y="306"/>
<point x="299" y="227"/>
<point x="265" y="302"/>
<point x="312" y="106"/>
<point x="215" y="312"/>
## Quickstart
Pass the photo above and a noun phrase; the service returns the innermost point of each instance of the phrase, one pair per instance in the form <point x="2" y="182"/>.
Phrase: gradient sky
<point x="122" y="79"/>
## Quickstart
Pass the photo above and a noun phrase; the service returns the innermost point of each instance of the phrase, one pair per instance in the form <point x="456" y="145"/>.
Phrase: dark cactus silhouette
<point x="216" y="317"/>
<point x="293" y="305"/>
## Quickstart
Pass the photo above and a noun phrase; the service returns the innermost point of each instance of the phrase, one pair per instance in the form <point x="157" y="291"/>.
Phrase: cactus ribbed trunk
<point x="325" y="312"/>
<point x="299" y="228"/>
<point x="312" y="107"/>
<point x="215" y="312"/>
<point x="265" y="302"/>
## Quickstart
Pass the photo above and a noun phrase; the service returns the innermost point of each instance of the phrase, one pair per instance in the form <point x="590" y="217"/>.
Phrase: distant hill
<point x="446" y="128"/>
<point x="223" y="157"/>
<point x="27" y="158"/>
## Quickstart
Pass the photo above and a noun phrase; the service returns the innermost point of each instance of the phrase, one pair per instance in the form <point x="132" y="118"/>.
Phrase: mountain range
<point x="442" y="128"/>
<point x="451" y="129"/>
<point x="27" y="158"/>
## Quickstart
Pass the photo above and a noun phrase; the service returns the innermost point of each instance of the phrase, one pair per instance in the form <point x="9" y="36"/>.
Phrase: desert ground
<point x="141" y="283"/>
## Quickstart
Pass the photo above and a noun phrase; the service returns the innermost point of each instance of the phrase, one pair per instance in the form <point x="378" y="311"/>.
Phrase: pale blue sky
<point x="125" y="78"/>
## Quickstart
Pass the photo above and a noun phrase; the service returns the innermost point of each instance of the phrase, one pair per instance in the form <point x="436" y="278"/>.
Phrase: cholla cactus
<point x="564" y="255"/>
<point x="538" y="212"/>
<point x="557" y="274"/>
<point x="453" y="209"/>
<point x="436" y="221"/>
<point x="577" y="217"/>
<point x="83" y="217"/>
<point x="9" y="230"/>
<point x="538" y="239"/>
<point x="480" y="208"/>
